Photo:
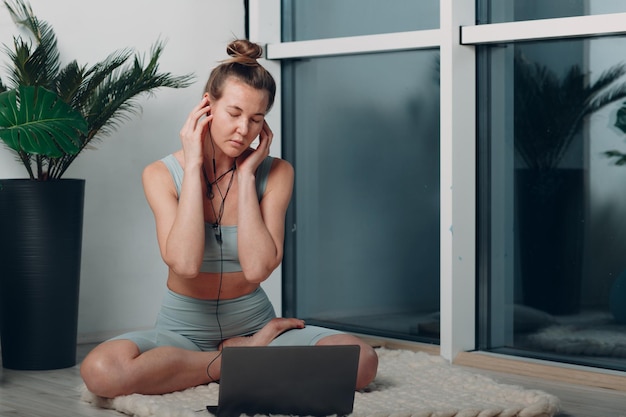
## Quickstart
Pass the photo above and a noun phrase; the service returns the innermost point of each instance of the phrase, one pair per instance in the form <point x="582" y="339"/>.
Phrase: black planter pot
<point x="550" y="226"/>
<point x="41" y="226"/>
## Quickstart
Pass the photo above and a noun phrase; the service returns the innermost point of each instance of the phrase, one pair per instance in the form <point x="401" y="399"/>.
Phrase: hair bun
<point x="244" y="52"/>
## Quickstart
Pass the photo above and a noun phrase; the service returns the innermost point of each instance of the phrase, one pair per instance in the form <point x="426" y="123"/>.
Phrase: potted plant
<point x="549" y="114"/>
<point x="49" y="114"/>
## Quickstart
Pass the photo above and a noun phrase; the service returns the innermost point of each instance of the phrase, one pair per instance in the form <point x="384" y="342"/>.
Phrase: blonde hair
<point x="244" y="66"/>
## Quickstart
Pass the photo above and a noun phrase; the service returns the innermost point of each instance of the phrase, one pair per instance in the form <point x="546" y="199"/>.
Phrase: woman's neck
<point x="216" y="162"/>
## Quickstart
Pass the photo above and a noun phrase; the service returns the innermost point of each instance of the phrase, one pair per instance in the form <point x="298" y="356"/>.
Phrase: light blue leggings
<point x="193" y="324"/>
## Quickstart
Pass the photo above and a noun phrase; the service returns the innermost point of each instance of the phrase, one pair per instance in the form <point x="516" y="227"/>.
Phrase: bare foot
<point x="263" y="337"/>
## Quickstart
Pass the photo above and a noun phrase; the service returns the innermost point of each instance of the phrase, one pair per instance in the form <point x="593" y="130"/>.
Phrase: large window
<point x="555" y="200"/>
<point x="552" y="196"/>
<point x="457" y="157"/>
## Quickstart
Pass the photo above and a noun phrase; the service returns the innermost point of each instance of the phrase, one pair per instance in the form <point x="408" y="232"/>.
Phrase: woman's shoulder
<point x="281" y="166"/>
<point x="163" y="168"/>
<point x="281" y="173"/>
<point x="174" y="159"/>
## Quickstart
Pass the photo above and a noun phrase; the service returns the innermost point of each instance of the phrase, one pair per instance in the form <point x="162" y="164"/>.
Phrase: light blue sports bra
<point x="225" y="258"/>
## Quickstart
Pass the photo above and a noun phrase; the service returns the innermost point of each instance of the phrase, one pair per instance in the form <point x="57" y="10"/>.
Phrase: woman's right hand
<point x="195" y="129"/>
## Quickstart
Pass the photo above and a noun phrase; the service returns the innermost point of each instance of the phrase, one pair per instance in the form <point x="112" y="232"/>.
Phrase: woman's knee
<point x="368" y="366"/>
<point x="103" y="369"/>
<point x="368" y="359"/>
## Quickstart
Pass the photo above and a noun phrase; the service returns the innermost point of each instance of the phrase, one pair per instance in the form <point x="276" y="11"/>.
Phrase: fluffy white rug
<point x="408" y="384"/>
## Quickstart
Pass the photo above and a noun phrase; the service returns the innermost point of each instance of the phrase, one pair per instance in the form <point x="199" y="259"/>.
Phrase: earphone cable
<point x="217" y="317"/>
<point x="218" y="236"/>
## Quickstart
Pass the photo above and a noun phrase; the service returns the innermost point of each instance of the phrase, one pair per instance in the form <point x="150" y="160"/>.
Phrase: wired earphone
<point x="217" y="229"/>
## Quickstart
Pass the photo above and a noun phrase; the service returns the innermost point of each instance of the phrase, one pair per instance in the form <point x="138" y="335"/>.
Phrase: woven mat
<point x="408" y="384"/>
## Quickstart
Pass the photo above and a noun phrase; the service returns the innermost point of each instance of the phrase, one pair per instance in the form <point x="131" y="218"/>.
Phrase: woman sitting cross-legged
<point x="219" y="207"/>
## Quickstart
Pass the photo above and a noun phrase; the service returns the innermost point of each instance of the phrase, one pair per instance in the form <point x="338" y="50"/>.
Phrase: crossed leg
<point x="117" y="367"/>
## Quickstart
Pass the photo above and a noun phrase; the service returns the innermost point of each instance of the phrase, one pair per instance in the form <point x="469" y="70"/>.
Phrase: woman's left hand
<point x="256" y="156"/>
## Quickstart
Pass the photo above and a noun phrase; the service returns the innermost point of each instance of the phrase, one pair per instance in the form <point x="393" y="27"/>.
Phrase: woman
<point x="219" y="207"/>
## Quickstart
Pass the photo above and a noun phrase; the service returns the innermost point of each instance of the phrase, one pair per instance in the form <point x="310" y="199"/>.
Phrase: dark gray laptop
<point x="289" y="380"/>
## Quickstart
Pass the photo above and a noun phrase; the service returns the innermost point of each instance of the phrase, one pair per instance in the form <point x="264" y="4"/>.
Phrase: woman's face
<point x="237" y="116"/>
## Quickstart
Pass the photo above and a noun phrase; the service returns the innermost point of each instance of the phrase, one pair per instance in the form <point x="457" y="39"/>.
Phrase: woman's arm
<point x="261" y="226"/>
<point x="180" y="219"/>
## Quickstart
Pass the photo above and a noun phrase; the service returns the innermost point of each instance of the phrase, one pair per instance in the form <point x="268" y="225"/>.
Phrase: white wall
<point x="123" y="277"/>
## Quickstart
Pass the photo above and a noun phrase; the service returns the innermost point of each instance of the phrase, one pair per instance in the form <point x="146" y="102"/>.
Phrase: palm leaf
<point x="620" y="121"/>
<point x="37" y="66"/>
<point x="619" y="157"/>
<point x="550" y="111"/>
<point x="80" y="91"/>
<point x="68" y="82"/>
<point x="34" y="120"/>
<point x="114" y="99"/>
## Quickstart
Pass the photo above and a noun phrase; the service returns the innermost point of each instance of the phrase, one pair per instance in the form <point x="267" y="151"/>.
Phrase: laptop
<point x="288" y="380"/>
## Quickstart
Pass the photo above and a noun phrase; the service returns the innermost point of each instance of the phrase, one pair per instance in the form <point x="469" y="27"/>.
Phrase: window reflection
<point x="366" y="156"/>
<point x="557" y="235"/>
